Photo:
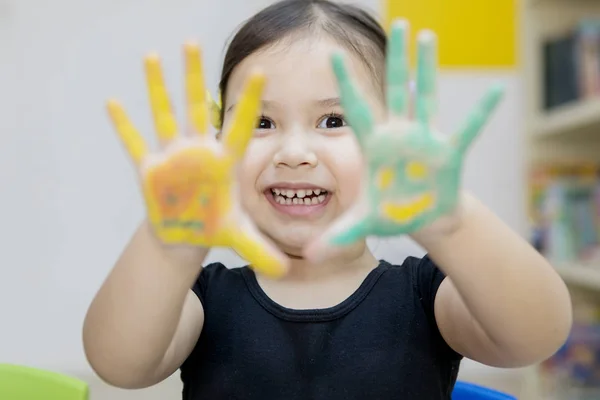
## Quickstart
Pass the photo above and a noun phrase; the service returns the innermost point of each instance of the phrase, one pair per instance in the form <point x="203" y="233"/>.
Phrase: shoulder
<point x="217" y="275"/>
<point x="215" y="269"/>
<point x="420" y="270"/>
<point x="426" y="278"/>
<point x="219" y="270"/>
<point x="421" y="276"/>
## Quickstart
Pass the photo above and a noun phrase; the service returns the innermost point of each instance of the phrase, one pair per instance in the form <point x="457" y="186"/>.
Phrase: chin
<point x="293" y="241"/>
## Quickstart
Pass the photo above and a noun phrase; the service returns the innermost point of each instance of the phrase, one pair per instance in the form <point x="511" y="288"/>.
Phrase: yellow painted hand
<point x="189" y="186"/>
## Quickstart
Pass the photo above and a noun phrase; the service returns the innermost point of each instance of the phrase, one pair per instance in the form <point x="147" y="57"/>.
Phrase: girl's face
<point x="303" y="167"/>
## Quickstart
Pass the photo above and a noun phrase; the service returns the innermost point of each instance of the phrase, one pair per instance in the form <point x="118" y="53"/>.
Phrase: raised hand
<point x="413" y="171"/>
<point x="189" y="186"/>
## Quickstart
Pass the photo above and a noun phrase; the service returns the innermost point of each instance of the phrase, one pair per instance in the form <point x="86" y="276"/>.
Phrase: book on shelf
<point x="573" y="373"/>
<point x="571" y="65"/>
<point x="564" y="210"/>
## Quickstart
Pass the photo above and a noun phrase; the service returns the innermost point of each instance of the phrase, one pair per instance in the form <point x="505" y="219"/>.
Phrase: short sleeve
<point x="427" y="278"/>
<point x="207" y="274"/>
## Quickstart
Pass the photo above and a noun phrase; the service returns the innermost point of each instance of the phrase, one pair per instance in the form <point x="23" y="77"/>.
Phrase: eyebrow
<point x="264" y="103"/>
<point x="329" y="102"/>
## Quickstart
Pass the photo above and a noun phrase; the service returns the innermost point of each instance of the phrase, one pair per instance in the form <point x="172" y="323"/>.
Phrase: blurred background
<point x="70" y="199"/>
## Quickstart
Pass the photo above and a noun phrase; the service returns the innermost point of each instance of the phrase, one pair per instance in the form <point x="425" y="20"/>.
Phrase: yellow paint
<point x="416" y="171"/>
<point x="129" y="135"/>
<point x="194" y="83"/>
<point x="245" y="116"/>
<point x="404" y="213"/>
<point x="385" y="178"/>
<point x="190" y="193"/>
<point x="164" y="119"/>
<point x="174" y="189"/>
<point x="472" y="33"/>
<point x="214" y="107"/>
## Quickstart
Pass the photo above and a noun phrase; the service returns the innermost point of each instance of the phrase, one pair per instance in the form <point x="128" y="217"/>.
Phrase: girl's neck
<point x="355" y="259"/>
<point x="319" y="286"/>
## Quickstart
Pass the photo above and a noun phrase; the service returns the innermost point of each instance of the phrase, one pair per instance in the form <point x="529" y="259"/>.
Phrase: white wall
<point x="69" y="196"/>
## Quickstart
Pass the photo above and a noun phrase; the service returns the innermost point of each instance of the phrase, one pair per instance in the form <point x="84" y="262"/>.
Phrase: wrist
<point x="446" y="226"/>
<point x="180" y="256"/>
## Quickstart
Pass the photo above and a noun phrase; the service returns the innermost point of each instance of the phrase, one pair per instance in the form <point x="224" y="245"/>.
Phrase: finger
<point x="264" y="257"/>
<point x="351" y="227"/>
<point x="356" y="108"/>
<point x="196" y="92"/>
<point x="398" y="92"/>
<point x="164" y="119"/>
<point x="246" y="113"/>
<point x="131" y="138"/>
<point x="426" y="106"/>
<point x="215" y="110"/>
<point x="479" y="117"/>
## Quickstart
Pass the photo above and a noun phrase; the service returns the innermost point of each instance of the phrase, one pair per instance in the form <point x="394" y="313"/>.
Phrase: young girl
<point x="349" y="327"/>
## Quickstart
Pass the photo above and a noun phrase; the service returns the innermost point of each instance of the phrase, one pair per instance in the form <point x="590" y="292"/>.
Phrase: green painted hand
<point x="412" y="171"/>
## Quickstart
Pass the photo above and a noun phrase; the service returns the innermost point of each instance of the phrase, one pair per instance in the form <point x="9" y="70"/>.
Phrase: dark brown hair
<point x="351" y="26"/>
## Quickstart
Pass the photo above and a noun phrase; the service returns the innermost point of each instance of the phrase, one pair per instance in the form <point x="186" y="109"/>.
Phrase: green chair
<point x="26" y="383"/>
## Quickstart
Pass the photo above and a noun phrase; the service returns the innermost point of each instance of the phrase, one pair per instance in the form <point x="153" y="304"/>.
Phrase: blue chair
<point x="469" y="391"/>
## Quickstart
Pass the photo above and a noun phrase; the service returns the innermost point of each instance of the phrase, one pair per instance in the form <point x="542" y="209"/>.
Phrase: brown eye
<point x="265" y="123"/>
<point x="332" y="121"/>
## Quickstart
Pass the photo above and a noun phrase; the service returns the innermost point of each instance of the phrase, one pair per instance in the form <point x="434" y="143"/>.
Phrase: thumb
<point x="251" y="245"/>
<point x="351" y="227"/>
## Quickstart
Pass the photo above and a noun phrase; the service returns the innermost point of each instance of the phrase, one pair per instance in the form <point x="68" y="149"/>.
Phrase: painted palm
<point x="190" y="185"/>
<point x="413" y="171"/>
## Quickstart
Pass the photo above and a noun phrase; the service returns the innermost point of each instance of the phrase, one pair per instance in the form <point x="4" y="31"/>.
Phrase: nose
<point x="295" y="151"/>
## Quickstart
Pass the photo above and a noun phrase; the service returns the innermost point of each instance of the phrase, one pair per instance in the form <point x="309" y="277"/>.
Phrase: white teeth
<point x="300" y="193"/>
<point x="284" y="198"/>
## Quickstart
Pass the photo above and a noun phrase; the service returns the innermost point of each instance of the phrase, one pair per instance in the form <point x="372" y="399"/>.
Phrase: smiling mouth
<point x="307" y="197"/>
<point x="407" y="211"/>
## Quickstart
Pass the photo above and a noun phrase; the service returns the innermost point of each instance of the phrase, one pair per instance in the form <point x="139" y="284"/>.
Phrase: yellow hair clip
<point x="214" y="108"/>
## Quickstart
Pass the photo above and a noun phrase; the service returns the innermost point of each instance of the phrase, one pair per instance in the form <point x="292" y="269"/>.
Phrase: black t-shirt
<point x="380" y="343"/>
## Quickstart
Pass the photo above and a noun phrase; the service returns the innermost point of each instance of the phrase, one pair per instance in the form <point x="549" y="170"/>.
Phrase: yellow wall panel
<point x="472" y="33"/>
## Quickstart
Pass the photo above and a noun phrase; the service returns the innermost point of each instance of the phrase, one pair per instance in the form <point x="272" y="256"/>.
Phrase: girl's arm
<point x="502" y="303"/>
<point x="145" y="320"/>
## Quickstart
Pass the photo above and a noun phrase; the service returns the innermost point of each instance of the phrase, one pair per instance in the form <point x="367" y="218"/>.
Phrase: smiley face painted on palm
<point x="413" y="171"/>
<point x="189" y="184"/>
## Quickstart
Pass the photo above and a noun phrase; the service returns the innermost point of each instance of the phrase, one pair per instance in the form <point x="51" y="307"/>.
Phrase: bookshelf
<point x="558" y="130"/>
<point x="576" y="117"/>
<point x="580" y="275"/>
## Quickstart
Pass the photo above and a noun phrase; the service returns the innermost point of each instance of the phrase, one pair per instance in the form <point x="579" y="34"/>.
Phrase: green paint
<point x="426" y="77"/>
<point x="175" y="223"/>
<point x="398" y="92"/>
<point x="358" y="113"/>
<point x="204" y="200"/>
<point x="478" y="118"/>
<point x="395" y="144"/>
<point x="171" y="199"/>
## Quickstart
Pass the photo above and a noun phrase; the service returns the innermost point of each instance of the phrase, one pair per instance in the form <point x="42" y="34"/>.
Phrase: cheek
<point x="347" y="165"/>
<point x="249" y="171"/>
